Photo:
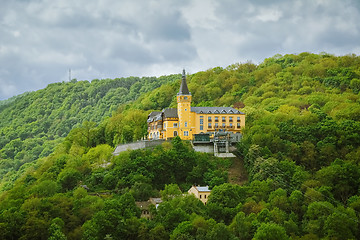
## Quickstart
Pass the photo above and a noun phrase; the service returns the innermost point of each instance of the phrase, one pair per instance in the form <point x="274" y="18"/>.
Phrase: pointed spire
<point x="184" y="90"/>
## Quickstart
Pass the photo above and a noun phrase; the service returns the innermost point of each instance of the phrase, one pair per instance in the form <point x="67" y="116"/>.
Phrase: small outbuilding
<point x="201" y="193"/>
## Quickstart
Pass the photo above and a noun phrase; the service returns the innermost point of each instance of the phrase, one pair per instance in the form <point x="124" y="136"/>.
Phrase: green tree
<point x="69" y="178"/>
<point x="342" y="224"/>
<point x="171" y="191"/>
<point x="225" y="201"/>
<point x="55" y="230"/>
<point x="270" y="231"/>
<point x="241" y="226"/>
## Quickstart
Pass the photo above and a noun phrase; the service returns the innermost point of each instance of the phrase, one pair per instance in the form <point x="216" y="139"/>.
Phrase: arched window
<point x="175" y="133"/>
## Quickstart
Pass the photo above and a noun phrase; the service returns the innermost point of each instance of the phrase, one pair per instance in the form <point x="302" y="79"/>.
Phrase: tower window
<point x="201" y="121"/>
<point x="185" y="109"/>
<point x="185" y="97"/>
<point x="175" y="125"/>
<point x="185" y="124"/>
<point x="186" y="133"/>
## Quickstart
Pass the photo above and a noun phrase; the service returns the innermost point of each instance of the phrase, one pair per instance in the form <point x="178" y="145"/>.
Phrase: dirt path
<point x="237" y="172"/>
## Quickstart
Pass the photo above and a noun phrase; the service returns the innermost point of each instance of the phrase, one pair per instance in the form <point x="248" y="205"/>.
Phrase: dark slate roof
<point x="166" y="113"/>
<point x="154" y="116"/>
<point x="170" y="113"/>
<point x="216" y="110"/>
<point x="184" y="90"/>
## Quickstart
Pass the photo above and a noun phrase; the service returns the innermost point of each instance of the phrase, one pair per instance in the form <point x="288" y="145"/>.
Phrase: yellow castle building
<point x="186" y="121"/>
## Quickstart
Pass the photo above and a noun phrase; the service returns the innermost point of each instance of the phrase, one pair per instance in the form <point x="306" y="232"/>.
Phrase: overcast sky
<point x="40" y="40"/>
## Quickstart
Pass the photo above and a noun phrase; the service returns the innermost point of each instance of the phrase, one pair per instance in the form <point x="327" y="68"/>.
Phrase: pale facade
<point x="185" y="121"/>
<point x="202" y="193"/>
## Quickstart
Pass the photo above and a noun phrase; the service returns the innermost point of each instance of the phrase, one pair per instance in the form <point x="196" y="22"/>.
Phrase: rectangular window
<point x="209" y="119"/>
<point x="185" y="124"/>
<point x="164" y="125"/>
<point x="216" y="125"/>
<point x="200" y="196"/>
<point x="175" y="125"/>
<point x="186" y="133"/>
<point x="238" y="125"/>
<point x="238" y="119"/>
<point x="231" y="125"/>
<point x="209" y="125"/>
<point x="230" y="119"/>
<point x="205" y="196"/>
<point x="201" y="127"/>
<point x="223" y="125"/>
<point x="224" y="119"/>
<point x="201" y="121"/>
<point x="216" y="119"/>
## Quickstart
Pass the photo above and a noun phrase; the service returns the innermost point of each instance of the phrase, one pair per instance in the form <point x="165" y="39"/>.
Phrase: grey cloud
<point x="40" y="40"/>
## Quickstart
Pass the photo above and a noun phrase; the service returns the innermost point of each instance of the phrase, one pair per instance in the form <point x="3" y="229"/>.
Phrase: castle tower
<point x="184" y="109"/>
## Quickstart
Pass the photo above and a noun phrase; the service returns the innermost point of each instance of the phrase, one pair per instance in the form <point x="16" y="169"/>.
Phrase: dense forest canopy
<point x="300" y="147"/>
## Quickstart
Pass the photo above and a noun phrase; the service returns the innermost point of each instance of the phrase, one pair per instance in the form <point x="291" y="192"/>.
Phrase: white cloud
<point x="269" y="15"/>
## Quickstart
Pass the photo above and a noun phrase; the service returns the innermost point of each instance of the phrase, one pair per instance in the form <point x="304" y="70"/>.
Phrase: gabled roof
<point x="216" y="110"/>
<point x="202" y="189"/>
<point x="154" y="113"/>
<point x="165" y="113"/>
<point x="154" y="116"/>
<point x="170" y="113"/>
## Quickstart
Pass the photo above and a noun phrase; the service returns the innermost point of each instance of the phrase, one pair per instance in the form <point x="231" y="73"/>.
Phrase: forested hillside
<point x="32" y="124"/>
<point x="300" y="147"/>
